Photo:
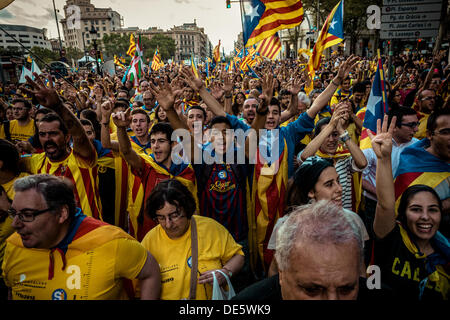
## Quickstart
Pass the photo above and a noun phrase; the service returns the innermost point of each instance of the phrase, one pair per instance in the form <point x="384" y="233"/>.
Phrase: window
<point x="104" y="28"/>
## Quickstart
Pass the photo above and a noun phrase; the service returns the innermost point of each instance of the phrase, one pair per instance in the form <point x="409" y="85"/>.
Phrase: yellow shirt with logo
<point x="96" y="265"/>
<point x="5" y="227"/>
<point x="215" y="247"/>
<point x="82" y="174"/>
<point x="22" y="133"/>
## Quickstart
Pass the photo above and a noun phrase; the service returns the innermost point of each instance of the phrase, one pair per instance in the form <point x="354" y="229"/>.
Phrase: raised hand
<point x="382" y="141"/>
<point x="46" y="96"/>
<point x="163" y="94"/>
<point x="267" y="85"/>
<point x="188" y="76"/>
<point x="122" y="119"/>
<point x="106" y="110"/>
<point x="347" y="66"/>
<point x="228" y="84"/>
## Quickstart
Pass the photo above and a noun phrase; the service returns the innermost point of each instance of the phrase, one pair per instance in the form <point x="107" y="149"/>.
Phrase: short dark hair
<point x="57" y="191"/>
<point x="162" y="127"/>
<point x="432" y="119"/>
<point x="198" y="108"/>
<point x="220" y="119"/>
<point x="50" y="117"/>
<point x="322" y="122"/>
<point x="25" y="102"/>
<point x="400" y="112"/>
<point x="359" y="87"/>
<point x="141" y="111"/>
<point x="43" y="111"/>
<point x="275" y="102"/>
<point x="10" y="157"/>
<point x="171" y="191"/>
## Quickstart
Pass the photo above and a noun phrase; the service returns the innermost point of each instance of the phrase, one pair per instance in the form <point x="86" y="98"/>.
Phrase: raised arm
<point x="322" y="100"/>
<point x="228" y="85"/>
<point x="122" y="120"/>
<point x="106" y="111"/>
<point x="292" y="109"/>
<point x="382" y="146"/>
<point x="48" y="97"/>
<point x="312" y="147"/>
<point x="358" y="156"/>
<point x="198" y="85"/>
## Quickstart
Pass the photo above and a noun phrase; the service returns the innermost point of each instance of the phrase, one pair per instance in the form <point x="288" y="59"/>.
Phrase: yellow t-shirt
<point x="97" y="262"/>
<point x="2" y="131"/>
<point x="82" y="174"/>
<point x="422" y="131"/>
<point x="22" y="133"/>
<point x="215" y="247"/>
<point x="5" y="227"/>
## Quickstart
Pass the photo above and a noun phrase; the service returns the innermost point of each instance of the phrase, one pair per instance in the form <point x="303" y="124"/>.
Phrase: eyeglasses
<point x="411" y="124"/>
<point x="27" y="215"/>
<point x="443" y="132"/>
<point x="174" y="216"/>
<point x="429" y="98"/>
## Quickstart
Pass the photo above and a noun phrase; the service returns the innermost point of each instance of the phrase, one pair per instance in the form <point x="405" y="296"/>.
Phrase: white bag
<point x="218" y="292"/>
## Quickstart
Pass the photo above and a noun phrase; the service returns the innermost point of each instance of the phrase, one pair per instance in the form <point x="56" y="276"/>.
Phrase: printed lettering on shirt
<point x="74" y="280"/>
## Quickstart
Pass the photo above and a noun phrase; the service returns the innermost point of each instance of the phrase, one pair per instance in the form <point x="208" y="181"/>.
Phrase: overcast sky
<point x="218" y="21"/>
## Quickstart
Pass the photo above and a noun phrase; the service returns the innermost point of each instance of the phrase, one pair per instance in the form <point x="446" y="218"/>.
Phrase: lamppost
<point x="94" y="33"/>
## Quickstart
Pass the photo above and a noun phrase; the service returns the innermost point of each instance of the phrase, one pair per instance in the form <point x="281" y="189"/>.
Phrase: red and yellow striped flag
<point x="132" y="48"/>
<point x="263" y="18"/>
<point x="270" y="47"/>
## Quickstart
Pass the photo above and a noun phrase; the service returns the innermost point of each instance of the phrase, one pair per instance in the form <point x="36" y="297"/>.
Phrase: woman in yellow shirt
<point x="172" y="205"/>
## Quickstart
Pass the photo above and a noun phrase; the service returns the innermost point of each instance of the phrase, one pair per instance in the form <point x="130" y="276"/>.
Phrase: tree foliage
<point x="118" y="45"/>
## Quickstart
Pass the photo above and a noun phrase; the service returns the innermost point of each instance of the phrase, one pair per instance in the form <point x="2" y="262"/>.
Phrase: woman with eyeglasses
<point x="413" y="256"/>
<point x="172" y="242"/>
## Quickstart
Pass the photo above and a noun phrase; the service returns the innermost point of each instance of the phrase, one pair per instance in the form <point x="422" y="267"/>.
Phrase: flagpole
<point x="242" y="21"/>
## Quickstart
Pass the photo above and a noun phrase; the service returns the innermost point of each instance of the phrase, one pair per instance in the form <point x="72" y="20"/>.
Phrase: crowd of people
<point x="156" y="191"/>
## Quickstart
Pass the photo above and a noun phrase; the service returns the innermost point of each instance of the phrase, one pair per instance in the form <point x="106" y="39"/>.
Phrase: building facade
<point x="103" y="20"/>
<point x="30" y="37"/>
<point x="189" y="39"/>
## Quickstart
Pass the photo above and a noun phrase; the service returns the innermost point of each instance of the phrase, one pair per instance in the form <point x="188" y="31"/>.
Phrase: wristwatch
<point x="228" y="96"/>
<point x="344" y="137"/>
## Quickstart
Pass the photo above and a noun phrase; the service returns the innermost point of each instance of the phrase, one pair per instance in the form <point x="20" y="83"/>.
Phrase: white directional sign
<point x="412" y="8"/>
<point x="408" y="34"/>
<point x="425" y="16"/>
<point x="421" y="25"/>
<point x="410" y="19"/>
<point x="405" y="2"/>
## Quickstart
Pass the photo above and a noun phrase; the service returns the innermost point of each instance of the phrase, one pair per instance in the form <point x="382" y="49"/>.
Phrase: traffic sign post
<point x="410" y="19"/>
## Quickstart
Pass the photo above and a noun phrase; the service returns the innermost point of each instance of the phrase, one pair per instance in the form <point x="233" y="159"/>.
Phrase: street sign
<point x="405" y="2"/>
<point x="412" y="8"/>
<point x="92" y="53"/>
<point x="408" y="34"/>
<point x="424" y="16"/>
<point x="419" y="25"/>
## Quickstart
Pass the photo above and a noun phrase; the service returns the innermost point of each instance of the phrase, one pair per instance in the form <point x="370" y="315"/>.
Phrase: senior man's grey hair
<point x="303" y="98"/>
<point x="320" y="222"/>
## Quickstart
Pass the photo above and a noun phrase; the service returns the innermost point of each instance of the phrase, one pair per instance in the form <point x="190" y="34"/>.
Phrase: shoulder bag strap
<point x="194" y="261"/>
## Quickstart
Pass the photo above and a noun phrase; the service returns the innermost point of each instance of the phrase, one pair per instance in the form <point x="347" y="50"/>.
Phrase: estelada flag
<point x="140" y="223"/>
<point x="418" y="166"/>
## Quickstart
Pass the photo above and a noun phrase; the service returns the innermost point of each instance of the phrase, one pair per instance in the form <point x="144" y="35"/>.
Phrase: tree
<point x="45" y="54"/>
<point x="165" y="44"/>
<point x="73" y="53"/>
<point x="355" y="15"/>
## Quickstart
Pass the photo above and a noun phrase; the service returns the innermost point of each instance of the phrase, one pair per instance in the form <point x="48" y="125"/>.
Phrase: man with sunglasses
<point x="58" y="253"/>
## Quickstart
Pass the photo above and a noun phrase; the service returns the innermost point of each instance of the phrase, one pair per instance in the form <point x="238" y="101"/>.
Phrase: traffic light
<point x="228" y="4"/>
<point x="419" y="40"/>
